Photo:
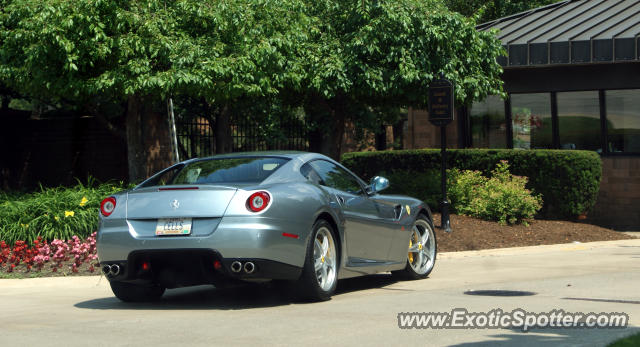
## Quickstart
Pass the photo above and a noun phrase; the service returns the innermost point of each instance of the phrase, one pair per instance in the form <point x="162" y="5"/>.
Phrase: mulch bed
<point x="472" y="234"/>
<point x="47" y="271"/>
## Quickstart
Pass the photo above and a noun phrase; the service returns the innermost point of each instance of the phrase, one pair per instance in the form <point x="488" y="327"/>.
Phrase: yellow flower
<point x="56" y="218"/>
<point x="69" y="214"/>
<point x="83" y="201"/>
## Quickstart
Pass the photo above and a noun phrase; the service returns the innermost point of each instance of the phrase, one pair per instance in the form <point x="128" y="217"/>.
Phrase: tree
<point x="342" y="60"/>
<point x="488" y="10"/>
<point x="140" y="52"/>
<point x="368" y="54"/>
<point x="232" y="52"/>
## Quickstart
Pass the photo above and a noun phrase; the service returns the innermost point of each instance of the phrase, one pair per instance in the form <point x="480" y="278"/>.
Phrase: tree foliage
<point x="343" y="60"/>
<point x="380" y="53"/>
<point x="488" y="10"/>
<point x="217" y="49"/>
<point x="385" y="52"/>
<point x="98" y="51"/>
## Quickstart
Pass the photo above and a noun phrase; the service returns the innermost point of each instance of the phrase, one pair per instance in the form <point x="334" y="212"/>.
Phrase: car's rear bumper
<point x="259" y="240"/>
<point x="186" y="267"/>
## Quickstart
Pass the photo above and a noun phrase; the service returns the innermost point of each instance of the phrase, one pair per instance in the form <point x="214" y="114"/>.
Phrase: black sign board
<point x="441" y="102"/>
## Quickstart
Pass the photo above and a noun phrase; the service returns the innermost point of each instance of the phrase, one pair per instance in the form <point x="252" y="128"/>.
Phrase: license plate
<point x="173" y="226"/>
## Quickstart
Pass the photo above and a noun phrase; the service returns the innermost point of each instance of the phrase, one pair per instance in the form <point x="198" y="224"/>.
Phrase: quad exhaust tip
<point x="236" y="266"/>
<point x="111" y="270"/>
<point x="249" y="267"/>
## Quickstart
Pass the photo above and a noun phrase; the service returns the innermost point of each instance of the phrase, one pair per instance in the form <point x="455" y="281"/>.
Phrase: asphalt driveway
<point x="590" y="277"/>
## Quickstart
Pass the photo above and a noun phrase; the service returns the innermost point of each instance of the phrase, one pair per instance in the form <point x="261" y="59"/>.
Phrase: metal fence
<point x="196" y="135"/>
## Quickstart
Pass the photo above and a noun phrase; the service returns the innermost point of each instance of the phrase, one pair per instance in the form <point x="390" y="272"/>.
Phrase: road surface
<point x="589" y="277"/>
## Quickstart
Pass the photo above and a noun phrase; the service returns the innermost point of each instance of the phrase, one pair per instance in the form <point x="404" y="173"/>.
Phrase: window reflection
<point x="488" y="124"/>
<point x="335" y="177"/>
<point x="579" y="120"/>
<point x="623" y="120"/>
<point x="531" y="118"/>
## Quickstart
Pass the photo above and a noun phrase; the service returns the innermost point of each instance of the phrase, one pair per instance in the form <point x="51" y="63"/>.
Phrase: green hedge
<point x="568" y="180"/>
<point x="53" y="213"/>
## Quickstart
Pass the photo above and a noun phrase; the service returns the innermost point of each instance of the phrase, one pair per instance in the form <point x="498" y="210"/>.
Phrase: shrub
<point x="567" y="180"/>
<point x="53" y="213"/>
<point x="501" y="197"/>
<point x="462" y="187"/>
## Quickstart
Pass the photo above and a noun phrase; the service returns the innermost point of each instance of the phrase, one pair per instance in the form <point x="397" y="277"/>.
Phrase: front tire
<point x="422" y="251"/>
<point x="320" y="272"/>
<point x="128" y="292"/>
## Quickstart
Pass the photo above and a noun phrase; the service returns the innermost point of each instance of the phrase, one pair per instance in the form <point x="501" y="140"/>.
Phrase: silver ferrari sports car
<point x="298" y="217"/>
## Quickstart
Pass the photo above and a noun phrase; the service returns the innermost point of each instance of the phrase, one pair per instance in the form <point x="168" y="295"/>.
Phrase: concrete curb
<point x="539" y="249"/>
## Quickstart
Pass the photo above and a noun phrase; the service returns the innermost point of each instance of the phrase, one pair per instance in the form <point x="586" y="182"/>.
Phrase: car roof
<point x="283" y="154"/>
<point x="290" y="172"/>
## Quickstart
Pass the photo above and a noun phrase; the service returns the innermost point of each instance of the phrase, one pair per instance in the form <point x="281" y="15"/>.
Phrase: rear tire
<point x="422" y="251"/>
<point x="320" y="271"/>
<point x="128" y="292"/>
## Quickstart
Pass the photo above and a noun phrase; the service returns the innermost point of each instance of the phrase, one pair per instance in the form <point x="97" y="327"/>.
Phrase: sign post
<point x="441" y="112"/>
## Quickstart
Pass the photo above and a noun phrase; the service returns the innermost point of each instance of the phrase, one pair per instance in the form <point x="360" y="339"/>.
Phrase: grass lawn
<point x="631" y="341"/>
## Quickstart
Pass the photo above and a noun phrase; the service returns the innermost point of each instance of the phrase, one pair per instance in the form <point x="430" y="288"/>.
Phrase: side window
<point x="335" y="177"/>
<point x="307" y="171"/>
<point x="164" y="178"/>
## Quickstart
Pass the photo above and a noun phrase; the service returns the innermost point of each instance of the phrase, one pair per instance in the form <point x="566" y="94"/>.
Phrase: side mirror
<point x="378" y="184"/>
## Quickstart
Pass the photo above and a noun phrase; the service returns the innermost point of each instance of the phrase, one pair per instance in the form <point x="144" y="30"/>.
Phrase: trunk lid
<point x="198" y="201"/>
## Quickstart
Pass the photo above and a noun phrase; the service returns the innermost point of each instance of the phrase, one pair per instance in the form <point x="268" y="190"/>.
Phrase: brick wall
<point x="618" y="204"/>
<point x="422" y="134"/>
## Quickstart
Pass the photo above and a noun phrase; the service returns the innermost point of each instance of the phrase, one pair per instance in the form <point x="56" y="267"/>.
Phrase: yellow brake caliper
<point x="411" y="254"/>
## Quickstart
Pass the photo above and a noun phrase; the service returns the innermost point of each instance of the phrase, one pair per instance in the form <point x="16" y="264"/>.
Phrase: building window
<point x="623" y="121"/>
<point x="531" y="121"/>
<point x="488" y="123"/>
<point x="579" y="120"/>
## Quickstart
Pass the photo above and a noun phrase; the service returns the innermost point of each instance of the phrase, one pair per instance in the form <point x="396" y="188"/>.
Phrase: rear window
<point x="227" y="170"/>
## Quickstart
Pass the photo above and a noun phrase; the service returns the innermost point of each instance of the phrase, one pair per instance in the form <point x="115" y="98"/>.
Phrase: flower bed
<point x="49" y="256"/>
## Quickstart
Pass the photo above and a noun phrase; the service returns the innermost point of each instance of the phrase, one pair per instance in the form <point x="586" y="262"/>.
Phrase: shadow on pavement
<point x="239" y="297"/>
<point x="556" y="337"/>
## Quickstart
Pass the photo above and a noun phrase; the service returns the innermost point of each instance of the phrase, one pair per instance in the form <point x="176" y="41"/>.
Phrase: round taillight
<point x="107" y="206"/>
<point x="258" y="201"/>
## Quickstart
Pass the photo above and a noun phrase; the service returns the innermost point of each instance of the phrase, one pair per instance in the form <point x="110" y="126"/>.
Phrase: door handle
<point x="340" y="199"/>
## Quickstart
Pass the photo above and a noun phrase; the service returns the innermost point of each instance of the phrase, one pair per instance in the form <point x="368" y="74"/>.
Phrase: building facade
<point x="572" y="76"/>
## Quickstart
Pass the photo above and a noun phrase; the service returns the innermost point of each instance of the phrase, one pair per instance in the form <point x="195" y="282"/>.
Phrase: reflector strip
<point x="293" y="236"/>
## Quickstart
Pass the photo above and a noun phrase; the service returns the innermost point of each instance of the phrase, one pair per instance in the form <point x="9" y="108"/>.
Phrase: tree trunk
<point x="148" y="139"/>
<point x="381" y="138"/>
<point x="329" y="116"/>
<point x="334" y="139"/>
<point x="223" y="131"/>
